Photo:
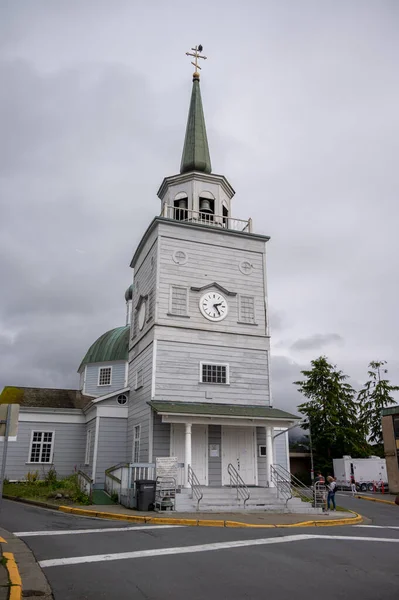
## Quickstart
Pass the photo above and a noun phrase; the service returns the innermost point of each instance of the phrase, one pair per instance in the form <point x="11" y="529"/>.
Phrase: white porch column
<point x="187" y="455"/>
<point x="269" y="455"/>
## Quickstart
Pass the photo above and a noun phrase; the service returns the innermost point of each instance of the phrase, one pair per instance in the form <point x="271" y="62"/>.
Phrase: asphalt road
<point x="95" y="559"/>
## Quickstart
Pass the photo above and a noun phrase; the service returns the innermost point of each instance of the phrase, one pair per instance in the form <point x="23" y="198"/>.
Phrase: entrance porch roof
<point x="233" y="411"/>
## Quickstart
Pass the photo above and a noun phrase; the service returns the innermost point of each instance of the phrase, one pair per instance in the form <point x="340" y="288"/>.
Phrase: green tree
<point x="332" y="413"/>
<point x="375" y="395"/>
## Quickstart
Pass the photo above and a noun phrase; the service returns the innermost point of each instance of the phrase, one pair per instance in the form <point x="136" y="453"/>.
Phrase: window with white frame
<point x="88" y="447"/>
<point x="104" y="376"/>
<point x="136" y="443"/>
<point x="41" y="447"/>
<point x="139" y="379"/>
<point x="247" y="309"/>
<point x="178" y="301"/>
<point x="213" y="373"/>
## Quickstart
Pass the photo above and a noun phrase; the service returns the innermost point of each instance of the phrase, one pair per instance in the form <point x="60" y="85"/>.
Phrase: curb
<point x="375" y="500"/>
<point x="206" y="523"/>
<point x="14" y="576"/>
<point x="32" y="502"/>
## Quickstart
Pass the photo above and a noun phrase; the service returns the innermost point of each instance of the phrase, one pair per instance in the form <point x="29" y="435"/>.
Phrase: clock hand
<point x="216" y="306"/>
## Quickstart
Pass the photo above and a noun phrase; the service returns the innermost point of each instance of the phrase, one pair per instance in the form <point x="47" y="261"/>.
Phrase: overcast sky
<point x="301" y="101"/>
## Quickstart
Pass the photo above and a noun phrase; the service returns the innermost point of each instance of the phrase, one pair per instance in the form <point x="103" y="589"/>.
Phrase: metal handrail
<point x="296" y="485"/>
<point x="283" y="486"/>
<point x="237" y="481"/>
<point x="196" y="489"/>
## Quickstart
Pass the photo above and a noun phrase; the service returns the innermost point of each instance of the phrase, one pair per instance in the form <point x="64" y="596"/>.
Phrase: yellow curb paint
<point x="2" y="541"/>
<point x="376" y="500"/>
<point x="170" y="521"/>
<point x="210" y="523"/>
<point x="14" y="576"/>
<point x="301" y="524"/>
<point x="15" y="593"/>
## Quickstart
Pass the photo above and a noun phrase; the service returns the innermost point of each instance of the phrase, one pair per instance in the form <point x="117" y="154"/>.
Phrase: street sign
<point x="13" y="421"/>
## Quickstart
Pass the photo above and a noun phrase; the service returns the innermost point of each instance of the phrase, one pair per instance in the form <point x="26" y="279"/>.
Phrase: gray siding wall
<point x="69" y="449"/>
<point x="215" y="463"/>
<point x="117" y="381"/>
<point x="112" y="447"/>
<point x="139" y="411"/>
<point x="213" y="256"/>
<point x="161" y="437"/>
<point x="280" y="451"/>
<point x="178" y="372"/>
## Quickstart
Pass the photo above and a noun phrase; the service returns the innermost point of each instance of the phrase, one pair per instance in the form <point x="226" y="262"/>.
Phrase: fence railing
<point x="206" y="218"/>
<point x="237" y="482"/>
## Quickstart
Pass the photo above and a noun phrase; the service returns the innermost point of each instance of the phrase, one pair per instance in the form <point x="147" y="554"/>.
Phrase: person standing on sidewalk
<point x="353" y="487"/>
<point x="332" y="488"/>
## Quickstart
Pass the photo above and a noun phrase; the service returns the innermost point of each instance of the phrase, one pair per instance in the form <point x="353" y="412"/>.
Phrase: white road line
<point x="379" y="526"/>
<point x="77" y="560"/>
<point x="84" y="531"/>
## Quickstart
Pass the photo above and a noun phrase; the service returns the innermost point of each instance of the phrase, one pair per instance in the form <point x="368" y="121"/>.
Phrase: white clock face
<point x="214" y="306"/>
<point x="142" y="316"/>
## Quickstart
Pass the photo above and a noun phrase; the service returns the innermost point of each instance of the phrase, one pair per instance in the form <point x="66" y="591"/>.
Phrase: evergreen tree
<point x="375" y="395"/>
<point x="332" y="414"/>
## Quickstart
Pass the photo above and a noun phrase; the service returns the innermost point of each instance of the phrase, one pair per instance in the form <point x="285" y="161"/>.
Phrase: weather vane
<point x="196" y="52"/>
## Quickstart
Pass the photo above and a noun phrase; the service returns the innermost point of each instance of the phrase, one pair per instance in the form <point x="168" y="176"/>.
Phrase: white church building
<point x="188" y="376"/>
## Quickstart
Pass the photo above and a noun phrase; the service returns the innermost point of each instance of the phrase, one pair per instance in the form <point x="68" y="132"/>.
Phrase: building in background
<point x="390" y="433"/>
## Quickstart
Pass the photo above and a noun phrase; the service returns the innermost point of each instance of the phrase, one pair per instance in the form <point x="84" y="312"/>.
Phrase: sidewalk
<point x="4" y="581"/>
<point x="34" y="583"/>
<point x="246" y="518"/>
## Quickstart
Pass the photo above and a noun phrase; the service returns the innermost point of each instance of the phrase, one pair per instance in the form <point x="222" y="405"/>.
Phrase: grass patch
<point x="48" y="490"/>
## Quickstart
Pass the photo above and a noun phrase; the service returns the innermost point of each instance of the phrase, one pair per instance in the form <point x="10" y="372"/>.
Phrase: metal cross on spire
<point x="196" y="53"/>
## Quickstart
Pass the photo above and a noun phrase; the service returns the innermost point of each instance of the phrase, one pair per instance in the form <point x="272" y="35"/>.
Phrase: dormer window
<point x="180" y="207"/>
<point x="104" y="376"/>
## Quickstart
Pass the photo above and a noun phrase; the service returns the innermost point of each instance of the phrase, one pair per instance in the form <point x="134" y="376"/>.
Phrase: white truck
<point x="367" y="473"/>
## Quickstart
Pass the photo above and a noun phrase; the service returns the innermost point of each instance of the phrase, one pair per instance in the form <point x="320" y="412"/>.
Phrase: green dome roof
<point x="113" y="345"/>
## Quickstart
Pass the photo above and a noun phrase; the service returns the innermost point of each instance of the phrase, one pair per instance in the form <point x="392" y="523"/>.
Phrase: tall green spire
<point x="196" y="150"/>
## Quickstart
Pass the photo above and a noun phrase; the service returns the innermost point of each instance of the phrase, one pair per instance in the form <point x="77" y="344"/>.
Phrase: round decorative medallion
<point x="180" y="257"/>
<point x="245" y="267"/>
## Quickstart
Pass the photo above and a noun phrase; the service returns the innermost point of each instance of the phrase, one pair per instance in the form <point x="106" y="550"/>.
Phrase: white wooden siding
<point x="208" y="263"/>
<point x="177" y="376"/>
<point x="144" y="284"/>
<point x="139" y="411"/>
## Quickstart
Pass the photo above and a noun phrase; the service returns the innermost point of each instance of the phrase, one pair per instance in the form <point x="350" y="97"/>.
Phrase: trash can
<point x="145" y="494"/>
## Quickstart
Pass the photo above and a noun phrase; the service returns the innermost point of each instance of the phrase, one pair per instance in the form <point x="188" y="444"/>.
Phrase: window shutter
<point x="247" y="309"/>
<point x="178" y="300"/>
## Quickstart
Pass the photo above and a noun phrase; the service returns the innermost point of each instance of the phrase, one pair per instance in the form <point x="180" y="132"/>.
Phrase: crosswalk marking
<point x="78" y="560"/>
<point x="85" y="531"/>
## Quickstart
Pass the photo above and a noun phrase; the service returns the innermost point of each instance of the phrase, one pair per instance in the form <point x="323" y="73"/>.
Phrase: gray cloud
<point x="303" y="120"/>
<point x="316" y="341"/>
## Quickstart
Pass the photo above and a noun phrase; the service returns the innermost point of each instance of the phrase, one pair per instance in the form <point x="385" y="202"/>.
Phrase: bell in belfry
<point x="205" y="206"/>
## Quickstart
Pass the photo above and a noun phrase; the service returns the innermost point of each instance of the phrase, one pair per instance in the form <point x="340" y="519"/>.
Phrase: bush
<point x="32" y="476"/>
<point x="51" y="477"/>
